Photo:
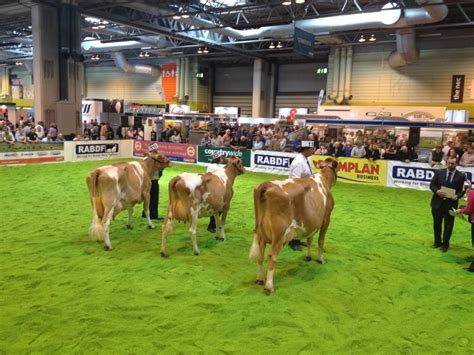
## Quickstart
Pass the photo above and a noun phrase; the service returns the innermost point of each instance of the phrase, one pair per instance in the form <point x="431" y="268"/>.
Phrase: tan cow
<point x="118" y="187"/>
<point x="192" y="196"/>
<point x="289" y="209"/>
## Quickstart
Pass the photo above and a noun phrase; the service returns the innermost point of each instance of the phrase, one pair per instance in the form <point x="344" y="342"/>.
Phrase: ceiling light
<point x="18" y="63"/>
<point x="29" y="27"/>
<point x="95" y="27"/>
<point x="300" y="1"/>
<point x="372" y="38"/>
<point x="286" y="3"/>
<point x="105" y="22"/>
<point x="272" y="45"/>
<point x="205" y="50"/>
<point x="176" y="17"/>
<point x="147" y="54"/>
<point x="101" y="26"/>
<point x="279" y="45"/>
<point x="361" y="39"/>
<point x="141" y="54"/>
<point x="200" y="50"/>
<point x="185" y="15"/>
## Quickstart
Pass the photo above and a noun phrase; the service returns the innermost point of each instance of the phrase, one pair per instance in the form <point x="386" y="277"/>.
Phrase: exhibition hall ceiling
<point x="238" y="31"/>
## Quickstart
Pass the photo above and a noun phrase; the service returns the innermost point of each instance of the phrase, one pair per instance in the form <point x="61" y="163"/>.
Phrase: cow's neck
<point x="328" y="178"/>
<point x="231" y="174"/>
<point x="150" y="166"/>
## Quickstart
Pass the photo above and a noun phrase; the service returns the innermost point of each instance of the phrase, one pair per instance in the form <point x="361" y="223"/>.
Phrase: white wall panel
<point x="242" y="101"/>
<point x="110" y="82"/>
<point x="426" y="81"/>
<point x="296" y="101"/>
<point x="234" y="79"/>
<point x="301" y="78"/>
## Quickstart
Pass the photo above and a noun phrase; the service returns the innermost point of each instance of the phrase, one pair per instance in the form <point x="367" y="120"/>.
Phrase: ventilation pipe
<point x="182" y="75"/>
<point x="342" y="76"/>
<point x="406" y="52"/>
<point x="178" y="73"/>
<point x="335" y="77"/>
<point x="186" y="78"/>
<point x="99" y="46"/>
<point x="347" y="82"/>
<point x="122" y="63"/>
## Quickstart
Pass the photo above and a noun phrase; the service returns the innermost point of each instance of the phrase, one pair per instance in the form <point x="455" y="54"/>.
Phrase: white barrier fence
<point x="398" y="174"/>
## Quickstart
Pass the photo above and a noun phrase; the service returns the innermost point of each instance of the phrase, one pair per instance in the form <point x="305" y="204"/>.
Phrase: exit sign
<point x="321" y="71"/>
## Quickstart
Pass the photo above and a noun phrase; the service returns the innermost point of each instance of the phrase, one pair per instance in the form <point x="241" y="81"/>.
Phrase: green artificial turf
<point x="383" y="289"/>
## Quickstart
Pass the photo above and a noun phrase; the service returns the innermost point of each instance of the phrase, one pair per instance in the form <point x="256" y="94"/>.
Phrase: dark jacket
<point x="439" y="179"/>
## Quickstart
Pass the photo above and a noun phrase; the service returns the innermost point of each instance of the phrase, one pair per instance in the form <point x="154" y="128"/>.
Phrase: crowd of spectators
<point x="27" y="131"/>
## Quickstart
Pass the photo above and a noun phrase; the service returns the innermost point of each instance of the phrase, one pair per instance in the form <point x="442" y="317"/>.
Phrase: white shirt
<point x="300" y="168"/>
<point x="213" y="167"/>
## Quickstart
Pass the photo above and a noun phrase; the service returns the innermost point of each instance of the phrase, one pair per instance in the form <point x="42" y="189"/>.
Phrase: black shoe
<point x="436" y="245"/>
<point x="295" y="245"/>
<point x="211" y="229"/>
<point x="471" y="267"/>
<point x="158" y="218"/>
<point x="444" y="248"/>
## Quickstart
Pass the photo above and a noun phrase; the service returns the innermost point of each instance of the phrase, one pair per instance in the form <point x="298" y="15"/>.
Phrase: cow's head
<point x="221" y="159"/>
<point x="329" y="170"/>
<point x="161" y="160"/>
<point x="236" y="164"/>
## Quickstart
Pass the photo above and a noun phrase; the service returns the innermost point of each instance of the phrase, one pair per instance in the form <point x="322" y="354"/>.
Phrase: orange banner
<point x="168" y="77"/>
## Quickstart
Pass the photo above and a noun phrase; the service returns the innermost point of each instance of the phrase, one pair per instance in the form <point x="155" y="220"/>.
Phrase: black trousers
<point x="212" y="222"/>
<point x="439" y="215"/>
<point x="154" y="198"/>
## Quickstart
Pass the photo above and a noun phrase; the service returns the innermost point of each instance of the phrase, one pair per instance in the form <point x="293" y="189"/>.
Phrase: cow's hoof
<point x="163" y="254"/>
<point x="197" y="253"/>
<point x="107" y="248"/>
<point x="129" y="226"/>
<point x="307" y="258"/>
<point x="151" y="227"/>
<point x="268" y="291"/>
<point x="259" y="282"/>
<point x="220" y="238"/>
<point x="321" y="261"/>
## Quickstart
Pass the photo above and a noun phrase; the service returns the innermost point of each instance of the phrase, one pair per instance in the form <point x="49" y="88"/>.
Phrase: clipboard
<point x="448" y="191"/>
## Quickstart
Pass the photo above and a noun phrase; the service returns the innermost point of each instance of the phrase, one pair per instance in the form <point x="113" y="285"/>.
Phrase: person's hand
<point x="458" y="210"/>
<point x="454" y="198"/>
<point x="441" y="194"/>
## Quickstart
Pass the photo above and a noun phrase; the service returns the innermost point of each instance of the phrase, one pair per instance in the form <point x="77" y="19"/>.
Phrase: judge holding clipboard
<point x="447" y="186"/>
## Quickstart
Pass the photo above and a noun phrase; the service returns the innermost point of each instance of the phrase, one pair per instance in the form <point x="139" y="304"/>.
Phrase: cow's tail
<point x="259" y="205"/>
<point x="173" y="198"/>
<point x="96" y="230"/>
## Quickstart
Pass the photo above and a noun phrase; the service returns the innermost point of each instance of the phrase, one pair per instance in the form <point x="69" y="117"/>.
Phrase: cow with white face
<point x="288" y="209"/>
<point x="192" y="196"/>
<point x="118" y="187"/>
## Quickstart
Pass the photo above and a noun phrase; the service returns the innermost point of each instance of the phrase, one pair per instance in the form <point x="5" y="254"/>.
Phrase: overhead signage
<point x="457" y="88"/>
<point x="303" y="42"/>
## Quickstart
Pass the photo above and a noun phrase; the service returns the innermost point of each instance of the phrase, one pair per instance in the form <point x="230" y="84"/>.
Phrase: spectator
<point x="216" y="140"/>
<point x="39" y="129"/>
<point x="436" y="156"/>
<point x="53" y="131"/>
<point x="391" y="151"/>
<point x="373" y="153"/>
<point x="60" y="138"/>
<point x="49" y="139"/>
<point x="281" y="140"/>
<point x="20" y="135"/>
<point x="32" y="137"/>
<point x="452" y="153"/>
<point x="206" y="140"/>
<point x="258" y="143"/>
<point x="77" y="137"/>
<point x="226" y="139"/>
<point x="130" y="133"/>
<point x="449" y="145"/>
<point x="348" y="148"/>
<point x="244" y="143"/>
<point x="234" y="142"/>
<point x="467" y="158"/>
<point x="110" y="131"/>
<point x="358" y="151"/>
<point x="103" y="131"/>
<point x="139" y="134"/>
<point x="176" y="137"/>
<point x="95" y="131"/>
<point x="322" y="150"/>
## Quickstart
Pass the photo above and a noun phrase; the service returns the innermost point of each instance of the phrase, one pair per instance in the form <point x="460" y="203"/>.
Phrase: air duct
<point x="342" y="77"/>
<point x="406" y="52"/>
<point x="122" y="63"/>
<point x="186" y="78"/>
<point x="99" y="46"/>
<point x="347" y="82"/>
<point x="181" y="80"/>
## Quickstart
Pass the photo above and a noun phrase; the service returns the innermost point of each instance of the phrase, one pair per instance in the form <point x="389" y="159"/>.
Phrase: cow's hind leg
<point x="130" y="218"/>
<point x="192" y="232"/>
<point x="322" y="234"/>
<point x="146" y="208"/>
<point x="107" y="217"/>
<point x="272" y="257"/>
<point x="220" y="235"/>
<point x="261" y="254"/>
<point x="309" y="241"/>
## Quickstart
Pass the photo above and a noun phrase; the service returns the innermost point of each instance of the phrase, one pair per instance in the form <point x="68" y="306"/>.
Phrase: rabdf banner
<point x="357" y="171"/>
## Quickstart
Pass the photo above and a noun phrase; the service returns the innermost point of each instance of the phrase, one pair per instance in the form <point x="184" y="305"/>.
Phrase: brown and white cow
<point x="192" y="196"/>
<point x="292" y="209"/>
<point x="118" y="187"/>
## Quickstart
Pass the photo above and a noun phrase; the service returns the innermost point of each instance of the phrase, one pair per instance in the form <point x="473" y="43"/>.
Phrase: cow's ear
<point x="321" y="164"/>
<point x="334" y="164"/>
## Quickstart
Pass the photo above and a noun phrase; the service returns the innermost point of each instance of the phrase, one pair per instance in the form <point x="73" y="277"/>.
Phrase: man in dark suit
<point x="441" y="204"/>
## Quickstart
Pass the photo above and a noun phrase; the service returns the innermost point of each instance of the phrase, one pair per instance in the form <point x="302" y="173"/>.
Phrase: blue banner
<point x="303" y="42"/>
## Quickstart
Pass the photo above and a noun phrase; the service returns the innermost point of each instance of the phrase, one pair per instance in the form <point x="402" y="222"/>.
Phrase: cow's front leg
<point x="192" y="230"/>
<point x="272" y="257"/>
<point x="146" y="208"/>
<point x="261" y="254"/>
<point x="309" y="241"/>
<point x="130" y="218"/>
